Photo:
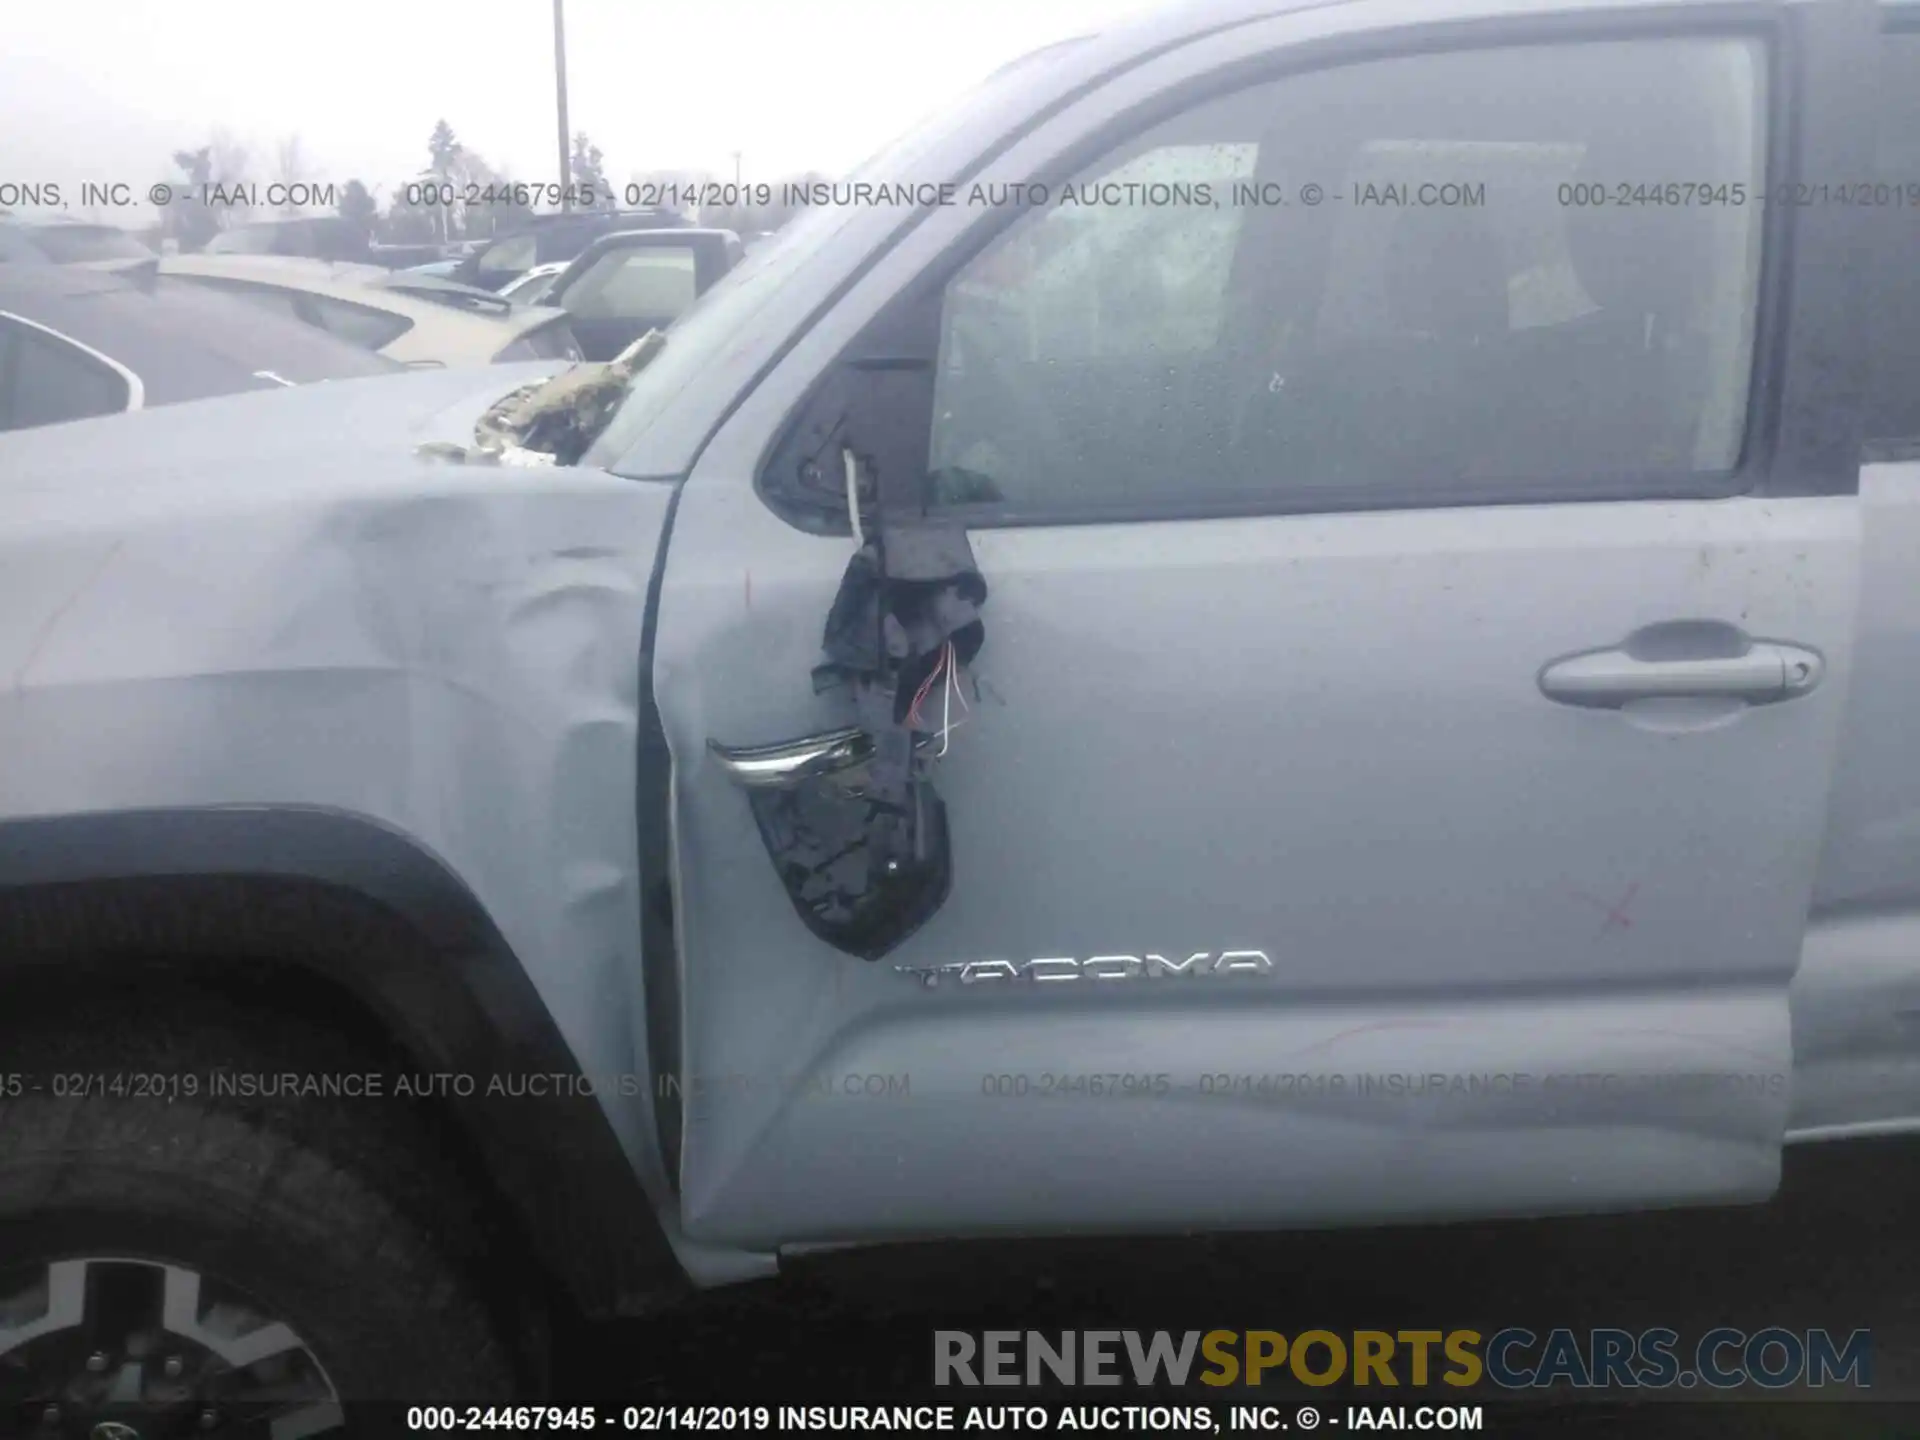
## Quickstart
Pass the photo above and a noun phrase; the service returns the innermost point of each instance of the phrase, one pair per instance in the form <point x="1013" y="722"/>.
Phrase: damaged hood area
<point x="553" y="420"/>
<point x="261" y="434"/>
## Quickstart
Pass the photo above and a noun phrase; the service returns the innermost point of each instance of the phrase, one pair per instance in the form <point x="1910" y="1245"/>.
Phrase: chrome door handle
<point x="1608" y="679"/>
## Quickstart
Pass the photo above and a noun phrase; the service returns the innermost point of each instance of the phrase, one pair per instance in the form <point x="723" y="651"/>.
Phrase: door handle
<point x="1607" y="679"/>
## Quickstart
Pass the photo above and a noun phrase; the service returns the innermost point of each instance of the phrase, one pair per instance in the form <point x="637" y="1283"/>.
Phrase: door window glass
<point x="1422" y="277"/>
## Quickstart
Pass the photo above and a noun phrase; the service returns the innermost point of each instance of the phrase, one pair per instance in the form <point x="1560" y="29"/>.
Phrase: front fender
<point x="370" y="910"/>
<point x="445" y="653"/>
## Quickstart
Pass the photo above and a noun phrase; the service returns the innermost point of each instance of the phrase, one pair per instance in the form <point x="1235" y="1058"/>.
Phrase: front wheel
<point x="92" y="1343"/>
<point x="189" y="1267"/>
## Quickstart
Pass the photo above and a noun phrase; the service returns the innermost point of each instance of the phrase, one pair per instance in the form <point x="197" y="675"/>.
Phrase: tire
<point x="327" y="1216"/>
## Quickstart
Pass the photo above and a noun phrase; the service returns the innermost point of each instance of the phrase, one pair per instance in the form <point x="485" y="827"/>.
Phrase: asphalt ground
<point x="1837" y="1249"/>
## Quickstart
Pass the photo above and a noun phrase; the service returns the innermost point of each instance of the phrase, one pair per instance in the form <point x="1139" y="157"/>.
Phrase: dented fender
<point x="272" y="601"/>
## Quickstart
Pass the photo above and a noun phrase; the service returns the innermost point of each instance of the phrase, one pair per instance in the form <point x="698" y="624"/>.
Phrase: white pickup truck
<point x="1298" y="614"/>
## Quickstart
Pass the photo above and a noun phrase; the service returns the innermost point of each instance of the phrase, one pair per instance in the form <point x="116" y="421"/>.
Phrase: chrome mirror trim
<point x="775" y="767"/>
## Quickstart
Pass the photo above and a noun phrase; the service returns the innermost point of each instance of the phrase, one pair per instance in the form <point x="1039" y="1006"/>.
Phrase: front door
<point x="1422" y="579"/>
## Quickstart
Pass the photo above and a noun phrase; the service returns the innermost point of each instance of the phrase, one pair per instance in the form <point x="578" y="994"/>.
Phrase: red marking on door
<point x="1616" y="913"/>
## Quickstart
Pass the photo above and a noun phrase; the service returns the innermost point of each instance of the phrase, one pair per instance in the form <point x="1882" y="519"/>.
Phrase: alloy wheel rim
<point x="114" y="1348"/>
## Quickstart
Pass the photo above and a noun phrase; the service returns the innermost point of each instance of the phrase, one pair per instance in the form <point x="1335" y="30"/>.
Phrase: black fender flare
<point x="369" y="909"/>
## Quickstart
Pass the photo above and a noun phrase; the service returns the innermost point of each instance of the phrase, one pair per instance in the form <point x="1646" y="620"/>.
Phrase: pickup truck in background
<point x="1328" y="634"/>
<point x="544" y="239"/>
<point x="633" y="281"/>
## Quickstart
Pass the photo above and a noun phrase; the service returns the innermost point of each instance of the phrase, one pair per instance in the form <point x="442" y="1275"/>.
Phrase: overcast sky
<point x="106" y="90"/>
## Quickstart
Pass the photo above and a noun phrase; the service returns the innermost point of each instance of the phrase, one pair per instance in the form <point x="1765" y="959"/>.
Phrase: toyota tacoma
<point x="1326" y="632"/>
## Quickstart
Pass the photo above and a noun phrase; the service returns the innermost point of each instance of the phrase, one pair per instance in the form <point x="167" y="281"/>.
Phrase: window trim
<point x="136" y="391"/>
<point x="1897" y="19"/>
<point x="1803" y="65"/>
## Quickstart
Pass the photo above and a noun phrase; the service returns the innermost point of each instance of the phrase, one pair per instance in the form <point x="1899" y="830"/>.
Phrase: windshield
<point x="705" y="330"/>
<point x="516" y="252"/>
<point x="185" y="332"/>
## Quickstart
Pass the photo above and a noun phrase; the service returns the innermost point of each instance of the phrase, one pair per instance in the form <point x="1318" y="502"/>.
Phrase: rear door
<point x="1403" y="732"/>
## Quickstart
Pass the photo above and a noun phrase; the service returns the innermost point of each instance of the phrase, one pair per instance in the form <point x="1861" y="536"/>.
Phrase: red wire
<point x="926" y="685"/>
<point x="926" y="688"/>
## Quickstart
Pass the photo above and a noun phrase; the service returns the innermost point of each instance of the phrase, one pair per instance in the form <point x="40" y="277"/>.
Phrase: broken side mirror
<point x="863" y="872"/>
<point x="850" y="816"/>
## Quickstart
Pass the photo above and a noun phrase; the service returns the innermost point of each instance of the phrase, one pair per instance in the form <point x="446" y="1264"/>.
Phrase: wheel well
<point x="410" y="999"/>
<point x="233" y="993"/>
<point x="125" y="1056"/>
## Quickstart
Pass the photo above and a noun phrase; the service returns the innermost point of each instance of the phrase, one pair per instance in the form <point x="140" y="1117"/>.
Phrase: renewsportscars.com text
<point x="1513" y="1358"/>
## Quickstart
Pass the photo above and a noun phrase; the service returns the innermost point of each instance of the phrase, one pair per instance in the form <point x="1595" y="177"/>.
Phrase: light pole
<point x="560" y="99"/>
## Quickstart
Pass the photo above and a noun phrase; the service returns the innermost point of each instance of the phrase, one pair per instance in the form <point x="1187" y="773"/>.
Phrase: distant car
<point x="316" y="237"/>
<point x="76" y="343"/>
<point x="66" y="242"/>
<point x="414" y="319"/>
<point x="633" y="281"/>
<point x="547" y="238"/>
